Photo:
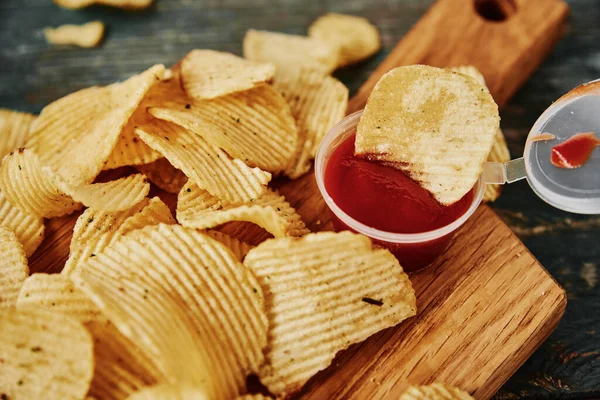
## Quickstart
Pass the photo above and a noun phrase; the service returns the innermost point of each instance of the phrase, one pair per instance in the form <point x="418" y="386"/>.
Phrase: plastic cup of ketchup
<point x="384" y="204"/>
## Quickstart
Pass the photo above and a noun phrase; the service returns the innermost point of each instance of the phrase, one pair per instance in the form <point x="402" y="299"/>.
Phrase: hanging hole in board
<point x="495" y="10"/>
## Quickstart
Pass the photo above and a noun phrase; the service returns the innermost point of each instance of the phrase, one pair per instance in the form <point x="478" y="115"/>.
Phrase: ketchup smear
<point x="575" y="151"/>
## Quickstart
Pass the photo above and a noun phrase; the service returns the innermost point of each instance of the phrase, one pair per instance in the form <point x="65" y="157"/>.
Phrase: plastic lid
<point x="575" y="190"/>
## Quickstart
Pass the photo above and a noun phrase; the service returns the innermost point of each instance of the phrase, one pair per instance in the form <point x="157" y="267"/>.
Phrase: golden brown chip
<point x="28" y="228"/>
<point x="255" y="126"/>
<point x="290" y="51"/>
<point x="324" y="292"/>
<point x="471" y="71"/>
<point x="207" y="74"/>
<point x="356" y="37"/>
<point x="170" y="392"/>
<point x="127" y="4"/>
<point x="434" y="391"/>
<point x="13" y="269"/>
<point x="86" y="35"/>
<point x="435" y="125"/>
<point x="207" y="166"/>
<point x="14" y="130"/>
<point x="44" y="356"/>
<point x="76" y="134"/>
<point x="237" y="247"/>
<point x="257" y="396"/>
<point x="196" y="208"/>
<point x="209" y="305"/>
<point x="95" y="229"/>
<point x="318" y="101"/>
<point x="164" y="175"/>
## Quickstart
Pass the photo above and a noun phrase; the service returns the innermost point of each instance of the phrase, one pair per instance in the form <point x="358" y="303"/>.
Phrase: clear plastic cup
<point x="414" y="250"/>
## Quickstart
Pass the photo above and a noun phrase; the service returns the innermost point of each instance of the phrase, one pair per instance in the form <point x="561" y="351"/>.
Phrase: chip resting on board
<point x="170" y="392"/>
<point x="13" y="269"/>
<point x="324" y="292"/>
<point x="255" y="126"/>
<point x="196" y="208"/>
<point x="290" y="51"/>
<point x="95" y="229"/>
<point x="86" y="35"/>
<point x="206" y="165"/>
<point x="126" y="4"/>
<point x="207" y="74"/>
<point x="28" y="228"/>
<point x="196" y="287"/>
<point x="14" y="127"/>
<point x="435" y="125"/>
<point x="237" y="247"/>
<point x="435" y="391"/>
<point x="44" y="356"/>
<point x="317" y="101"/>
<point x="75" y="135"/>
<point x="164" y="175"/>
<point x="356" y="37"/>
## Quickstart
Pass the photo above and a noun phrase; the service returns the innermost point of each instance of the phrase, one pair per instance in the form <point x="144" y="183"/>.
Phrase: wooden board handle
<point x="453" y="33"/>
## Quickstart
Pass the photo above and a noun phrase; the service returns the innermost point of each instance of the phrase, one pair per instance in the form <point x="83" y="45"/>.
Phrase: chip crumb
<point x="86" y="35"/>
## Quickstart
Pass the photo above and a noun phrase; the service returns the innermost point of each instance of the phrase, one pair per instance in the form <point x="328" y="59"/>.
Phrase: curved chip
<point x="95" y="229"/>
<point x="257" y="396"/>
<point x="170" y="392"/>
<point x="209" y="305"/>
<point x="324" y="292"/>
<point x="435" y="391"/>
<point x="207" y="166"/>
<point x="28" y="228"/>
<point x="317" y="101"/>
<point x="14" y="127"/>
<point x="44" y="356"/>
<point x="356" y="37"/>
<point x="76" y="134"/>
<point x="196" y="208"/>
<point x="290" y="51"/>
<point x="13" y="269"/>
<point x="207" y="74"/>
<point x="86" y="35"/>
<point x="435" y="125"/>
<point x="126" y="4"/>
<point x="237" y="247"/>
<point x="255" y="126"/>
<point x="164" y="175"/>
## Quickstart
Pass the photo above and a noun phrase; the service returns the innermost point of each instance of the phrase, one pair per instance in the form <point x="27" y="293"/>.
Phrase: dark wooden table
<point x="32" y="73"/>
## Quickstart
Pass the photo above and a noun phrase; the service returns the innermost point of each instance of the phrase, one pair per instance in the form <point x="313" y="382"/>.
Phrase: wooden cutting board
<point x="487" y="304"/>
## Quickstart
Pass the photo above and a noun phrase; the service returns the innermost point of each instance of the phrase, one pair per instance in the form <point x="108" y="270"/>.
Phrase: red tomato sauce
<point x="575" y="151"/>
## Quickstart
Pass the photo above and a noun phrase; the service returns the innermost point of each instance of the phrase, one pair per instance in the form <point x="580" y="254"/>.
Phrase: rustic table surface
<point x="32" y="73"/>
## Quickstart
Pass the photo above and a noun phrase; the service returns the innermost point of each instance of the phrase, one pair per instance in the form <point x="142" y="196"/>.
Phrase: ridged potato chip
<point x="237" y="247"/>
<point x="318" y="101"/>
<point x="196" y="208"/>
<point x="356" y="37"/>
<point x="434" y="391"/>
<point x="324" y="292"/>
<point x="170" y="392"/>
<point x="13" y="269"/>
<point x="198" y="290"/>
<point x="44" y="356"/>
<point x="207" y="74"/>
<point x="86" y="35"/>
<point x="255" y="126"/>
<point x="127" y="4"/>
<point x="206" y="165"/>
<point x="28" y="228"/>
<point x="435" y="125"/>
<point x="290" y="51"/>
<point x="75" y="135"/>
<point x="164" y="175"/>
<point x="95" y="229"/>
<point x="14" y="126"/>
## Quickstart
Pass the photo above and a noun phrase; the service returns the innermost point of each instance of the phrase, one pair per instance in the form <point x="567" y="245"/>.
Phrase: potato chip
<point x="255" y="126"/>
<point x="28" y="228"/>
<point x="44" y="356"/>
<point x="14" y="130"/>
<point x="86" y="35"/>
<point x="356" y="37"/>
<point x="95" y="229"/>
<point x="207" y="166"/>
<point x="237" y="247"/>
<point x="318" y="101"/>
<point x="164" y="175"/>
<point x="435" y="125"/>
<point x="13" y="269"/>
<point x="76" y="134"/>
<point x="324" y="292"/>
<point x="256" y="396"/>
<point x="170" y="392"/>
<point x="196" y="208"/>
<point x="207" y="74"/>
<point x="213" y="327"/>
<point x="127" y="4"/>
<point x="435" y="391"/>
<point x="290" y="51"/>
